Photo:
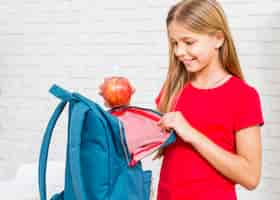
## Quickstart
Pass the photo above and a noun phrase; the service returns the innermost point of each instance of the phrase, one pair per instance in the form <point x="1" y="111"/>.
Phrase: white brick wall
<point x="77" y="43"/>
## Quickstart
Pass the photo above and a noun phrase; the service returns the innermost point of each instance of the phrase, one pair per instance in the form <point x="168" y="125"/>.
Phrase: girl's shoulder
<point x="246" y="105"/>
<point x="244" y="95"/>
<point x="242" y="87"/>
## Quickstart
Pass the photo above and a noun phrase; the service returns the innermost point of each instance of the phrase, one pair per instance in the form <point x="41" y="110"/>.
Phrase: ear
<point x="220" y="38"/>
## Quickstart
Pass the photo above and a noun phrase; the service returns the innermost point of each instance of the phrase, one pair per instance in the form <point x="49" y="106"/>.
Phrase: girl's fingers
<point x="163" y="123"/>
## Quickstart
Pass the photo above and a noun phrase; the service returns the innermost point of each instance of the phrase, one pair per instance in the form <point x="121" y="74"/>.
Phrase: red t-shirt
<point x="218" y="113"/>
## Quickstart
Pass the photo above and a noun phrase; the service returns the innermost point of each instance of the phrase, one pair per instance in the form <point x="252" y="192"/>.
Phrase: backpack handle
<point x="45" y="149"/>
<point x="78" y="114"/>
<point x="65" y="96"/>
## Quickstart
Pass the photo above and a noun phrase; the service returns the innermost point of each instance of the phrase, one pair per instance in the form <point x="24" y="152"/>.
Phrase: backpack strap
<point x="65" y="96"/>
<point x="77" y="117"/>
<point x="78" y="114"/>
<point x="45" y="149"/>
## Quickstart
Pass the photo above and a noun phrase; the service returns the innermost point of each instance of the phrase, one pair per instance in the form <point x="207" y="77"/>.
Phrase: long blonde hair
<point x="204" y="17"/>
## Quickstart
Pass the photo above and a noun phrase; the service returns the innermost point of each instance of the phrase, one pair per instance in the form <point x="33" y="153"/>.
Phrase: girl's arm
<point x="244" y="167"/>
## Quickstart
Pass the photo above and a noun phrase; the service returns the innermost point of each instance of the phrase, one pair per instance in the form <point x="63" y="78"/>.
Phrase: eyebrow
<point x="183" y="38"/>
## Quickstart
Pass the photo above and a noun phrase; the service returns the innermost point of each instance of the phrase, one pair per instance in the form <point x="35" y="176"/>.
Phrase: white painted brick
<point x="269" y="185"/>
<point x="269" y="158"/>
<point x="75" y="44"/>
<point x="271" y="171"/>
<point x="272" y="130"/>
<point x="256" y="48"/>
<point x="272" y="144"/>
<point x="262" y="62"/>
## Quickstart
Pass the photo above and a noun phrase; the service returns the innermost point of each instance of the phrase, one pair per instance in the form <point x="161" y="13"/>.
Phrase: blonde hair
<point x="204" y="17"/>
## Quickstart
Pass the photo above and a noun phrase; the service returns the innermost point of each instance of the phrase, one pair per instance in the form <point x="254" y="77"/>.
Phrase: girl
<point x="215" y="113"/>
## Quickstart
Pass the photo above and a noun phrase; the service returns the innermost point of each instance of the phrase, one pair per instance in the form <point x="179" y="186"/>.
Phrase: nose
<point x="180" y="50"/>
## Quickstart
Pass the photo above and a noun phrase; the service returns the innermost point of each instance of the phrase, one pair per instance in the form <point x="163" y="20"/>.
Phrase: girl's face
<point x="196" y="51"/>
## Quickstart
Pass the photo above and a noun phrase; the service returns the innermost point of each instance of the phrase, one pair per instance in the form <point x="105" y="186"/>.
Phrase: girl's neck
<point x="210" y="77"/>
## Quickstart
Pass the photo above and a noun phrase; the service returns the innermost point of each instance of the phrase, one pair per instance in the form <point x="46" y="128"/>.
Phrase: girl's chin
<point x="192" y="68"/>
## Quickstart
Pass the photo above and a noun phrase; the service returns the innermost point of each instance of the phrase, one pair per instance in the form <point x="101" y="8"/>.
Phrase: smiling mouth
<point x="188" y="61"/>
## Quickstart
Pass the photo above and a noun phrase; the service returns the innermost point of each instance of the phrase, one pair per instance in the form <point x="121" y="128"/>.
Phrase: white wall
<point x="77" y="43"/>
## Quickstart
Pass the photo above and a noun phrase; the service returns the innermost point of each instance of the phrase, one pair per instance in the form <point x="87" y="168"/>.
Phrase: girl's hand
<point x="176" y="121"/>
<point x="106" y="104"/>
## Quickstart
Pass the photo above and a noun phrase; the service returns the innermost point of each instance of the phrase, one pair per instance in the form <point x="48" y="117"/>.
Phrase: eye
<point x="189" y="42"/>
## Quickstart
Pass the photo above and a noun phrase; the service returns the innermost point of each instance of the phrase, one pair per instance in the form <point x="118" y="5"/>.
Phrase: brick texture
<point x="77" y="43"/>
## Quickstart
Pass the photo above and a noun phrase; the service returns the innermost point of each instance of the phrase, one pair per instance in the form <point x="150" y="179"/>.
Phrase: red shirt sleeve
<point x="248" y="110"/>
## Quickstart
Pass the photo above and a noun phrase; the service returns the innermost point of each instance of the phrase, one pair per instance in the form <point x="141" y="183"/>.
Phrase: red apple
<point x="116" y="91"/>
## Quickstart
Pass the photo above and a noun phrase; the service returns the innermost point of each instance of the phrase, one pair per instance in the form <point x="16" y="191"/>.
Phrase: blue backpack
<point x="103" y="161"/>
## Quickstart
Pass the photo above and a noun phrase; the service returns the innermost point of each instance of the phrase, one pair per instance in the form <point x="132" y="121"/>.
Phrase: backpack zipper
<point x="122" y="141"/>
